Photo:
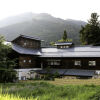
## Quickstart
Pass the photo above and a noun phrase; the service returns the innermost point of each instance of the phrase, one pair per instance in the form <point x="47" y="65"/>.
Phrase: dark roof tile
<point x="23" y="50"/>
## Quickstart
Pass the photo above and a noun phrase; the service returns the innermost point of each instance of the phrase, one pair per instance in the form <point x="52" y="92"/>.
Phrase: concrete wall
<point x="24" y="74"/>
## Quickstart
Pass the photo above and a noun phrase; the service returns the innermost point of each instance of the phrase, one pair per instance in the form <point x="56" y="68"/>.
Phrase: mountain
<point x="42" y="25"/>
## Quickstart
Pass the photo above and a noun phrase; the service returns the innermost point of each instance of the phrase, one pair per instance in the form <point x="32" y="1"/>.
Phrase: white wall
<point x="25" y="73"/>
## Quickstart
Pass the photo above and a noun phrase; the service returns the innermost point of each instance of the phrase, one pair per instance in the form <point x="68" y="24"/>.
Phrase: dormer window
<point x="67" y="46"/>
<point x="63" y="45"/>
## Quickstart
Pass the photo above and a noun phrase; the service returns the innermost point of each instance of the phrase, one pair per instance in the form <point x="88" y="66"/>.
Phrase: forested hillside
<point x="43" y="26"/>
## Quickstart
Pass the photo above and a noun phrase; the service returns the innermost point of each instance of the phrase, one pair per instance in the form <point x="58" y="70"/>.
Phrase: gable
<point x="27" y="42"/>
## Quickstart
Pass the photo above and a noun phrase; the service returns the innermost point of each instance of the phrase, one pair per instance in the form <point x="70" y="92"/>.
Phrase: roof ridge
<point x="31" y="37"/>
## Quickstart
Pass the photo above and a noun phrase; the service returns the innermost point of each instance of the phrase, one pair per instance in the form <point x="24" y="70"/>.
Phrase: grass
<point x="76" y="81"/>
<point x="60" y="89"/>
<point x="12" y="97"/>
<point x="69" y="81"/>
<point x="7" y="96"/>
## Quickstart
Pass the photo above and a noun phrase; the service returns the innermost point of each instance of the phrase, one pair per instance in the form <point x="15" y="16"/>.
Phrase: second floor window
<point x="24" y="61"/>
<point x="25" y="44"/>
<point x="30" y="61"/>
<point x="53" y="62"/>
<point x="77" y="63"/>
<point x="92" y="63"/>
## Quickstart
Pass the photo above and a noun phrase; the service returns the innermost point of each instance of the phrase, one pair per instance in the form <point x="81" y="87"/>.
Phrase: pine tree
<point x="90" y="33"/>
<point x="64" y="36"/>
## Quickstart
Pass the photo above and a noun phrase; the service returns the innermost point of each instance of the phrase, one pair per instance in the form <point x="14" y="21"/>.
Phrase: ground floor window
<point x="92" y="63"/>
<point x="77" y="63"/>
<point x="23" y="77"/>
<point x="53" y="62"/>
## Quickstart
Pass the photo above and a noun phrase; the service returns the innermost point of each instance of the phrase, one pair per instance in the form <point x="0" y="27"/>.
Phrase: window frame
<point x="30" y="61"/>
<point x="77" y="63"/>
<point x="24" y="61"/>
<point x="92" y="63"/>
<point x="54" y="62"/>
<point x="25" y="43"/>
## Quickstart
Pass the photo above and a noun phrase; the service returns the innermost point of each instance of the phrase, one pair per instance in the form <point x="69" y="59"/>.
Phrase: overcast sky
<point x="66" y="9"/>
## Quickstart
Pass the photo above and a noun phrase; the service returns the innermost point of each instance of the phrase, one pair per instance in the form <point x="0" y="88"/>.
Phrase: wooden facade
<point x="35" y="61"/>
<point x="69" y="63"/>
<point x="27" y="43"/>
<point x="28" y="61"/>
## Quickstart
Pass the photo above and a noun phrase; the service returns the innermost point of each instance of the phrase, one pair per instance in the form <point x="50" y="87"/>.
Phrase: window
<point x="53" y="62"/>
<point x="64" y="46"/>
<point x="25" y="44"/>
<point x="92" y="63"/>
<point x="77" y="63"/>
<point x="24" y="61"/>
<point x="67" y="46"/>
<point x="23" y="77"/>
<point x="61" y="46"/>
<point x="31" y="43"/>
<point x="30" y="61"/>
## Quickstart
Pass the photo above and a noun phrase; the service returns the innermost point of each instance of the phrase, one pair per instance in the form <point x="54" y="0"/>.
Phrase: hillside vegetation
<point x="43" y="26"/>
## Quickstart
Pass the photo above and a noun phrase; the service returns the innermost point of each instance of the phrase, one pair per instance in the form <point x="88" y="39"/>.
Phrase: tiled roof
<point x="64" y="43"/>
<point x="73" y="72"/>
<point x="25" y="36"/>
<point x="30" y="37"/>
<point x="23" y="50"/>
<point x="85" y="51"/>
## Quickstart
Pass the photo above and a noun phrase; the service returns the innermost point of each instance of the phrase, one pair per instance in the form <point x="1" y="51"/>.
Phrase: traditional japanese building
<point x="64" y="58"/>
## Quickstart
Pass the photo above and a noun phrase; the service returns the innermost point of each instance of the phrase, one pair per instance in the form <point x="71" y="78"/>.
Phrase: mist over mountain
<point x="42" y="25"/>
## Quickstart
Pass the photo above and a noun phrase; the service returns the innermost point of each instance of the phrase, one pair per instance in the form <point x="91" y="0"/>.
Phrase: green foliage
<point x="95" y="96"/>
<point x="67" y="40"/>
<point x="51" y="76"/>
<point x="46" y="91"/>
<point x="63" y="39"/>
<point x="7" y="96"/>
<point x="1" y="40"/>
<point x="90" y="33"/>
<point x="56" y="75"/>
<point x="7" y="74"/>
<point x="52" y="43"/>
<point x="64" y="36"/>
<point x="48" y="76"/>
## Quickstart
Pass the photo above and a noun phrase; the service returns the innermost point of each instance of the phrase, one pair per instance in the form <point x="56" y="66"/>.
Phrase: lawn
<point x="76" y="81"/>
<point x="61" y="81"/>
<point x="60" y="89"/>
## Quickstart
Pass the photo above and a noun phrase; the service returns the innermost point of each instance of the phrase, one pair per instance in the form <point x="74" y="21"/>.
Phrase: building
<point x="64" y="58"/>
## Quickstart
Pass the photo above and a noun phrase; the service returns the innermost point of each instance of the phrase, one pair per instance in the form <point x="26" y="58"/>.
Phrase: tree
<point x="90" y="33"/>
<point x="63" y="39"/>
<point x="7" y="74"/>
<point x="64" y="36"/>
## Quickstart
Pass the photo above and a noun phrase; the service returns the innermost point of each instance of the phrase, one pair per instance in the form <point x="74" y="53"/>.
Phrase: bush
<point x="96" y="96"/>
